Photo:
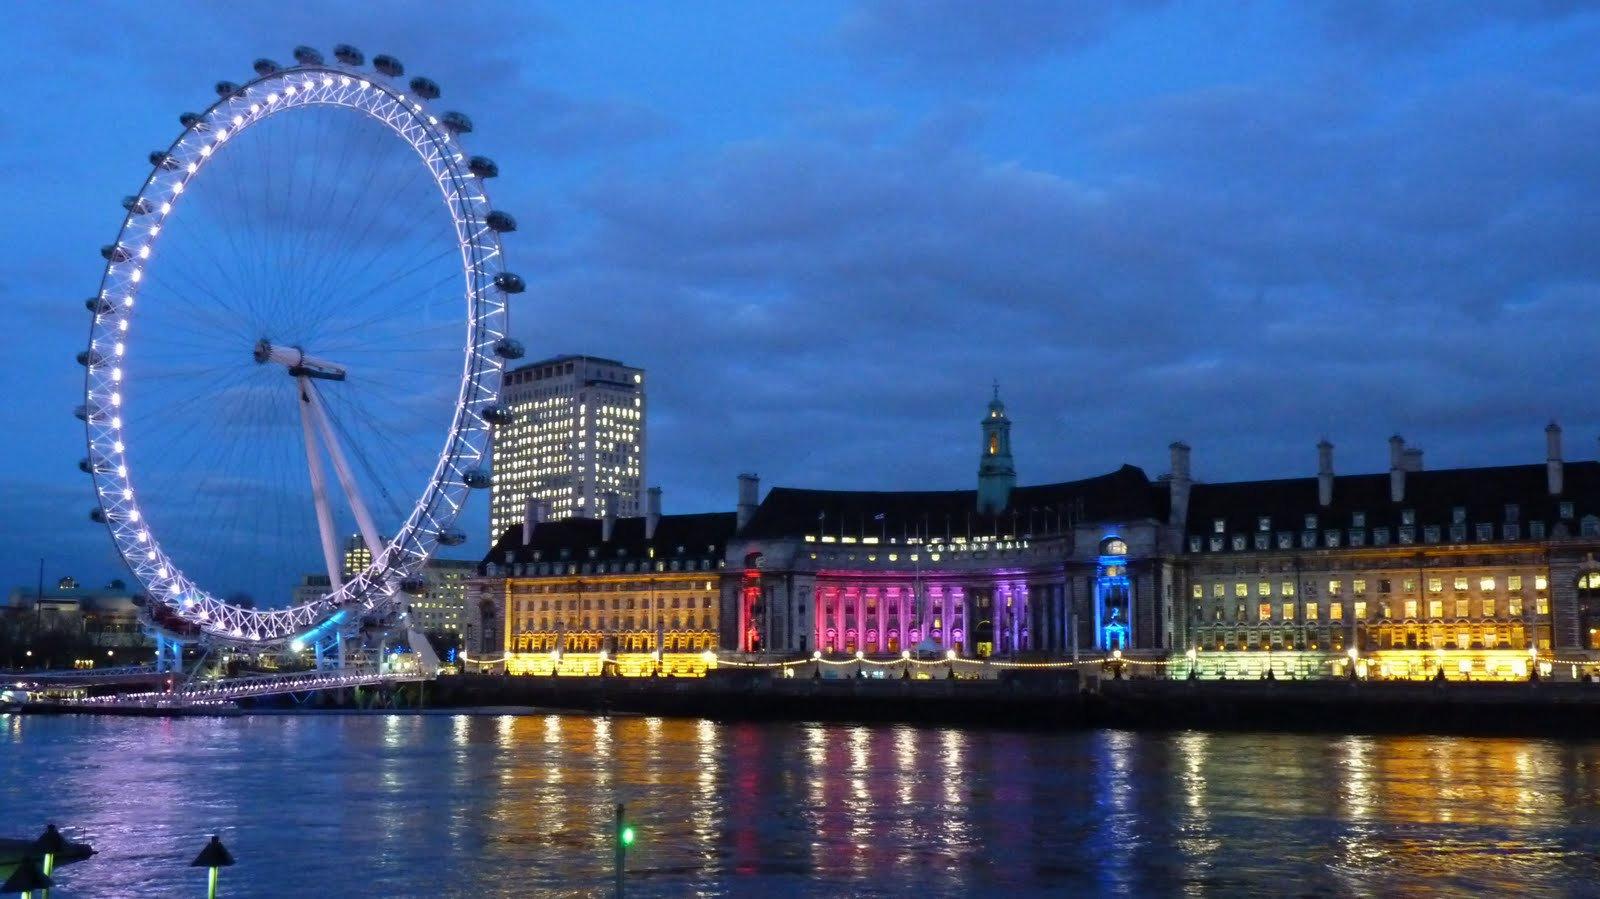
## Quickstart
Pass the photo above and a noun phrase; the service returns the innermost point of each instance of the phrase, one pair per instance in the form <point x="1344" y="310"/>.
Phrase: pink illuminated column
<point x="819" y="618"/>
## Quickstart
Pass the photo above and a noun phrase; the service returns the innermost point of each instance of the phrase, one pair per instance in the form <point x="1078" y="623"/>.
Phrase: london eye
<point x="296" y="350"/>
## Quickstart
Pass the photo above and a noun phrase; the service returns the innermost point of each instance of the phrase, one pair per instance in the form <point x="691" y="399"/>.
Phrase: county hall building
<point x="1483" y="573"/>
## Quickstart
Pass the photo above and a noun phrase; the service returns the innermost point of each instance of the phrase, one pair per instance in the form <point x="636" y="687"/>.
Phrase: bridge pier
<point x="330" y="650"/>
<point x="169" y="654"/>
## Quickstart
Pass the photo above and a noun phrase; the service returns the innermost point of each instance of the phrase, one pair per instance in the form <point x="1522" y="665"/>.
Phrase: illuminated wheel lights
<point x="313" y="82"/>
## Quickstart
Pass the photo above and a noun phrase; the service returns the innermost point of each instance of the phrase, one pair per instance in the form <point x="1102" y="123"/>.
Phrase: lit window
<point x="1241" y="590"/>
<point x="1288" y="611"/>
<point x="1198" y="592"/>
<point x="1488" y="607"/>
<point x="1263" y="588"/>
<point x="1287" y="588"/>
<point x="1435" y="584"/>
<point x="1336" y="611"/>
<point x="1218" y="590"/>
<point x="1334" y="587"/>
<point x="1265" y="611"/>
<point x="1311" y="611"/>
<point x="1460" y="582"/>
<point x="1435" y="608"/>
<point x="1360" y="609"/>
<point x="1486" y="584"/>
<point x="1540" y="582"/>
<point x="1411" y="608"/>
<point x="1359" y="586"/>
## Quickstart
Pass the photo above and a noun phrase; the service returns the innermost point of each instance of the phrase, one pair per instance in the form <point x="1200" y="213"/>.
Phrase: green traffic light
<point x="627" y="836"/>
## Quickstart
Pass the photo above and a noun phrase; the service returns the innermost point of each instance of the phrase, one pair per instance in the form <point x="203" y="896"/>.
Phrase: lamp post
<point x="214" y="856"/>
<point x="859" y="656"/>
<point x="1354" y="654"/>
<point x="49" y="843"/>
<point x="25" y="879"/>
<point x="623" y="841"/>
<point x="1194" y="664"/>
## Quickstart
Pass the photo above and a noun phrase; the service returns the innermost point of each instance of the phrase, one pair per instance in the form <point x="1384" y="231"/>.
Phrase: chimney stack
<point x="1324" y="473"/>
<point x="1552" y="466"/>
<point x="652" y="512"/>
<point x="608" y="519"/>
<point x="1397" y="471"/>
<point x="749" y="490"/>
<point x="528" y="512"/>
<point x="1179" y="484"/>
<point x="1412" y="461"/>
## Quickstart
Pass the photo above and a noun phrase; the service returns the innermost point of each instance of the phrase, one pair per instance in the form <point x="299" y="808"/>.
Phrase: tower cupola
<point x="997" y="475"/>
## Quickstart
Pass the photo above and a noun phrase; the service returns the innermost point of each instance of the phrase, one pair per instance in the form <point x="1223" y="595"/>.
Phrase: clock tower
<point x="996" y="473"/>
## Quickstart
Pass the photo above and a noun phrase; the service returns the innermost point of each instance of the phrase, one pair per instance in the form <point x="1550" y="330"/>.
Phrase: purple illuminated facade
<point x="1046" y="571"/>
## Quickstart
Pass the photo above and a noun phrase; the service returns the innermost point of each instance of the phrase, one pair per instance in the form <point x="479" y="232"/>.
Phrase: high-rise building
<point x="577" y="434"/>
<point x="442" y="608"/>
<point x="357" y="557"/>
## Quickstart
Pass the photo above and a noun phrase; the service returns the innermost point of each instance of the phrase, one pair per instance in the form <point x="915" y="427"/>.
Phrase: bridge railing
<point x="224" y="690"/>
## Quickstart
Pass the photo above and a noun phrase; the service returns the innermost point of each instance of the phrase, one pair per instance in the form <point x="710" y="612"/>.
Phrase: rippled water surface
<point x="520" y="806"/>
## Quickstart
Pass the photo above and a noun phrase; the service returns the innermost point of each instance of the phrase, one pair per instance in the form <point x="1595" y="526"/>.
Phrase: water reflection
<point x="512" y="806"/>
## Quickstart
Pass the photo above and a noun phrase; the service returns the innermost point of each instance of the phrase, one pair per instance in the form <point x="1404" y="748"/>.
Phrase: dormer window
<point x="1311" y="522"/>
<point x="1458" y="515"/>
<point x="1264" y="523"/>
<point x="1566" y="511"/>
<point x="1408" y="516"/>
<point x="1358" y="519"/>
<point x="1512" y="511"/>
<point x="1536" y="530"/>
<point x="1218" y="525"/>
<point x="1485" y="531"/>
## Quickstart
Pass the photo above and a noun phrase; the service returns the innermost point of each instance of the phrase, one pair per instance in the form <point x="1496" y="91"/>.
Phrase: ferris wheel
<point x="306" y="293"/>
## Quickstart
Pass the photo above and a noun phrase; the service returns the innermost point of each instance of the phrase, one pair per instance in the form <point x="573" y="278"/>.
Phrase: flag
<point x="878" y="517"/>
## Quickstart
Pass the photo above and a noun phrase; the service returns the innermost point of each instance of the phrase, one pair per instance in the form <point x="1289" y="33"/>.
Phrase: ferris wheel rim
<point x="464" y="456"/>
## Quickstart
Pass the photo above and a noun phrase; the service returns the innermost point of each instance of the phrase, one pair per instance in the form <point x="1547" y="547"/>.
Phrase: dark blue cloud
<point x="823" y="229"/>
<point x="933" y="38"/>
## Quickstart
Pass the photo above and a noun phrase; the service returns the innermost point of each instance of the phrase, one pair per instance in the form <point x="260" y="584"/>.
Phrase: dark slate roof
<point x="702" y="535"/>
<point x="1125" y="494"/>
<point x="1433" y="495"/>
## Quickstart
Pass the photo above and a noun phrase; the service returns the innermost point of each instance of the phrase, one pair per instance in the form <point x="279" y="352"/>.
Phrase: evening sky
<point x="825" y="228"/>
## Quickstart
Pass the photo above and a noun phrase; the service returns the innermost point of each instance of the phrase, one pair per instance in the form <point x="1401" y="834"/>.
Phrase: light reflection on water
<point x="515" y="806"/>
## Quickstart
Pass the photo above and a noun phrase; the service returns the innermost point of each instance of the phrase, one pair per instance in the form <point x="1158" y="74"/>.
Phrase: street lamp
<point x="214" y="856"/>
<point x="25" y="879"/>
<point x="1194" y="667"/>
<point x="50" y="844"/>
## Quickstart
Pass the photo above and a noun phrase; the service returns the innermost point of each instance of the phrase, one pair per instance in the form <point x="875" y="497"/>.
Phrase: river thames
<point x="440" y="805"/>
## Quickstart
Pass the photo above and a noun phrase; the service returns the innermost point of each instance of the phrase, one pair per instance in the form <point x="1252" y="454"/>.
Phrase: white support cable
<point x="341" y="469"/>
<point x="319" y="485"/>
